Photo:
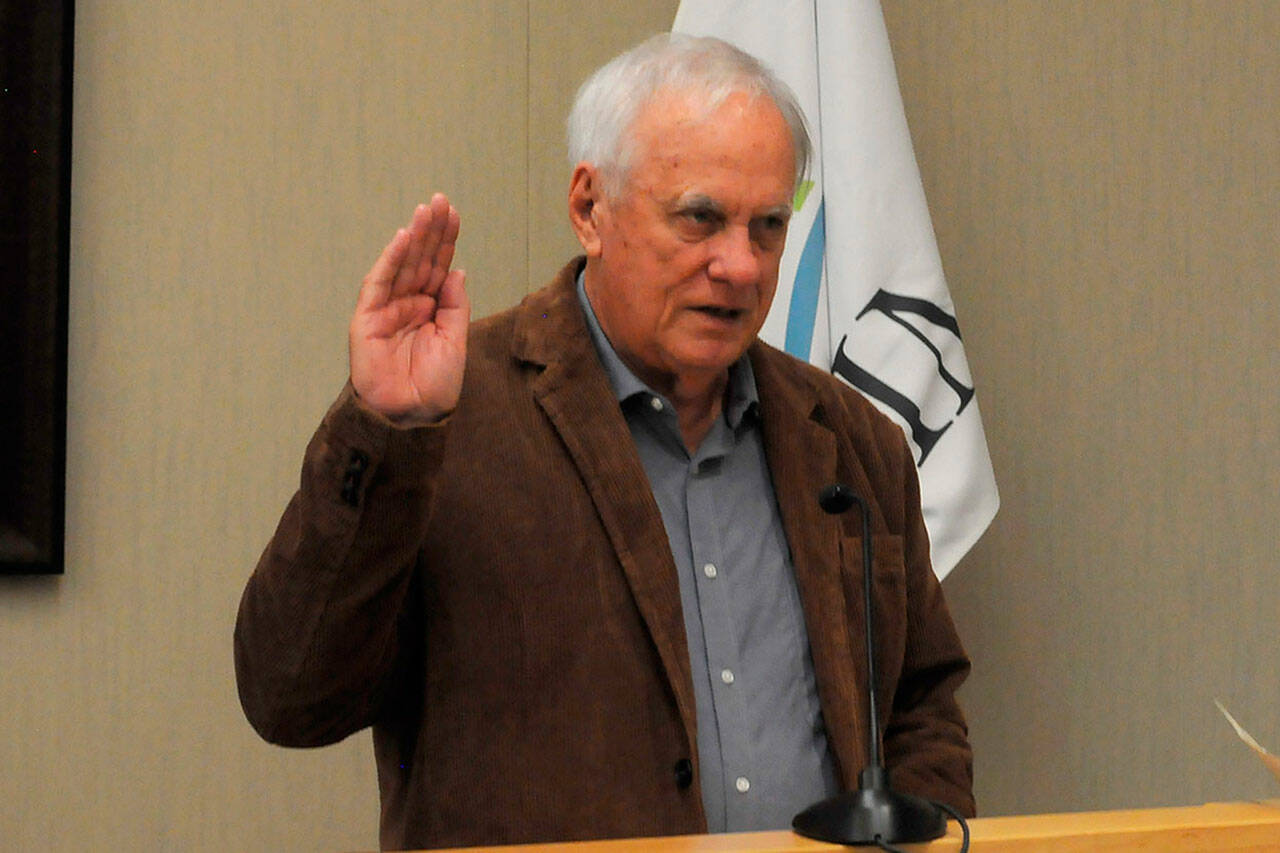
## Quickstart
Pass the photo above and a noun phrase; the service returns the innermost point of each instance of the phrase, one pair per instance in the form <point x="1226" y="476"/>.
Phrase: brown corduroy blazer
<point x="496" y="597"/>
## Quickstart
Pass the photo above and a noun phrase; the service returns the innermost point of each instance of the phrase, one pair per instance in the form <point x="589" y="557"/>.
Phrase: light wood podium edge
<point x="1237" y="826"/>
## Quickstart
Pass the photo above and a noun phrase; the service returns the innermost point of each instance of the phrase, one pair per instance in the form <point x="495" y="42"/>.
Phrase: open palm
<point x="408" y="336"/>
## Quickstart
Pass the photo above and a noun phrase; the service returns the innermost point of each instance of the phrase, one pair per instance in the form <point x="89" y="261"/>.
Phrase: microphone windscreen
<point x="836" y="498"/>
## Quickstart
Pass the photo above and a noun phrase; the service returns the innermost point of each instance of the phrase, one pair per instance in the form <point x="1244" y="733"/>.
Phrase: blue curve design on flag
<point x="803" y="311"/>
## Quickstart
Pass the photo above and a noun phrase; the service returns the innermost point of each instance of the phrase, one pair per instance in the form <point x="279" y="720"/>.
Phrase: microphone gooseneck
<point x="875" y="813"/>
<point x="837" y="499"/>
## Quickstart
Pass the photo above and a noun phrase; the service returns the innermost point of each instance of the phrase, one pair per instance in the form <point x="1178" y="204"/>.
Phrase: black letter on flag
<point x="890" y="304"/>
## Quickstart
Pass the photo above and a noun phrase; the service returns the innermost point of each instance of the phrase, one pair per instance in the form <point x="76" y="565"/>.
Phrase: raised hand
<point x="408" y="336"/>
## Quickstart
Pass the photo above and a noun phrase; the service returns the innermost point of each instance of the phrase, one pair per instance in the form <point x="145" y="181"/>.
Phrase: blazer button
<point x="357" y="462"/>
<point x="684" y="773"/>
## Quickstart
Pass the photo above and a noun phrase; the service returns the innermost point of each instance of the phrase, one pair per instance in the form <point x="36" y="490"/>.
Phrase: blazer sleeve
<point x="926" y="744"/>
<point x="317" y="636"/>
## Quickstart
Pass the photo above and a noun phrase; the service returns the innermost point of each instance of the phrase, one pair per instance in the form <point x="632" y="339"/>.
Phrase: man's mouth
<point x="720" y="313"/>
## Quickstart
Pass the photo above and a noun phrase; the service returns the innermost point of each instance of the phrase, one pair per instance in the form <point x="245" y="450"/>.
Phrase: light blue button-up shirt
<point x="762" y="748"/>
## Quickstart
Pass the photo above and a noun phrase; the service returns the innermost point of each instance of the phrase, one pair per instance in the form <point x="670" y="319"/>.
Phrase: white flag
<point x="861" y="290"/>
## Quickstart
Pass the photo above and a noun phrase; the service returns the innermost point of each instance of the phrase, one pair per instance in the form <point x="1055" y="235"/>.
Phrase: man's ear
<point x="586" y="195"/>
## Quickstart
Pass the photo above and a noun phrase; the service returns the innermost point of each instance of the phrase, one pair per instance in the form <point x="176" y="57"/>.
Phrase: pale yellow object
<point x="1272" y="761"/>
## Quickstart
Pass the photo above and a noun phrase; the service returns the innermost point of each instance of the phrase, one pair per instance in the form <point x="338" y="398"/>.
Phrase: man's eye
<point x="769" y="231"/>
<point x="701" y="216"/>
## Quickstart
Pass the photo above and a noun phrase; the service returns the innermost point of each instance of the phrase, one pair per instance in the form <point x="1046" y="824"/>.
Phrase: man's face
<point x="683" y="263"/>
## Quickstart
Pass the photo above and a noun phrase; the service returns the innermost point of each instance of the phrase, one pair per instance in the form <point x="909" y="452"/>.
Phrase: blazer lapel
<point x="574" y="392"/>
<point x="802" y="454"/>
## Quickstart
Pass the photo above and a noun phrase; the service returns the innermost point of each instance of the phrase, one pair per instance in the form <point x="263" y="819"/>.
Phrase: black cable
<point x="959" y="818"/>
<point x="964" y="825"/>
<point x="964" y="831"/>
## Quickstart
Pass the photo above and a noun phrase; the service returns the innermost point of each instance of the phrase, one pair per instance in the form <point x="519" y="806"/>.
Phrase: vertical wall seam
<point x="528" y="146"/>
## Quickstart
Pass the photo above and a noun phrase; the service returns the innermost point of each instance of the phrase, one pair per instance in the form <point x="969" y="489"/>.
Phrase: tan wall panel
<point x="561" y="56"/>
<point x="1104" y="179"/>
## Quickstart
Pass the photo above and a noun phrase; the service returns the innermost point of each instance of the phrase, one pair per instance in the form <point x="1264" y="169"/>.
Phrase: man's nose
<point x="734" y="259"/>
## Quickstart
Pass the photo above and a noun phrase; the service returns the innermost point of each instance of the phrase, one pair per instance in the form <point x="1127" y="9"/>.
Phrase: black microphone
<point x="875" y="813"/>
<point x="837" y="498"/>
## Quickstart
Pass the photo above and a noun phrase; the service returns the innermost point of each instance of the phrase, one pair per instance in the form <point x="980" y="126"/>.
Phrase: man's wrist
<point x="413" y="419"/>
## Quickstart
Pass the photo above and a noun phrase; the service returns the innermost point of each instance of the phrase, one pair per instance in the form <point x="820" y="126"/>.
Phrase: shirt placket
<point x="720" y="635"/>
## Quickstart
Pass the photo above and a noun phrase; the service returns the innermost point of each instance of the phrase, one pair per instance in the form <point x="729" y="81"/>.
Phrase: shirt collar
<point x="741" y="395"/>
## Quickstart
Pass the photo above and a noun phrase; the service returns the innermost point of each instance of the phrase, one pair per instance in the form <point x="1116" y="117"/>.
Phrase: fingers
<point x="417" y="259"/>
<point x="433" y="235"/>
<point x="434" y="264"/>
<point x="375" y="290"/>
<point x="420" y="228"/>
<point x="403" y="281"/>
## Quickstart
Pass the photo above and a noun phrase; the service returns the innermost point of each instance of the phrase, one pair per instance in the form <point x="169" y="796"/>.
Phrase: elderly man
<point x="583" y="587"/>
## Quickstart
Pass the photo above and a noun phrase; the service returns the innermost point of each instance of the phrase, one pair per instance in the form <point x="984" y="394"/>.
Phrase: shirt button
<point x="709" y="570"/>
<point x="656" y="403"/>
<point x="726" y="675"/>
<point x="742" y="784"/>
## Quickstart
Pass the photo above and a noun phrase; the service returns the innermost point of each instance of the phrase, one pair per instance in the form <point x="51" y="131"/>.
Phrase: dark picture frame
<point x="36" y="52"/>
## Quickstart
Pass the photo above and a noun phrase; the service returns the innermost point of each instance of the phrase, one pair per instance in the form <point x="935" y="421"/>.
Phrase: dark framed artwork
<point x="36" y="49"/>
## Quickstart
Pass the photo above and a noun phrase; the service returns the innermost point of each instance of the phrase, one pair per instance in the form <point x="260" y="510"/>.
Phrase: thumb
<point x="453" y="307"/>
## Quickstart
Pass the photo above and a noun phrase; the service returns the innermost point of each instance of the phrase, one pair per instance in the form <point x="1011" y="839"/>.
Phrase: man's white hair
<point x="608" y="103"/>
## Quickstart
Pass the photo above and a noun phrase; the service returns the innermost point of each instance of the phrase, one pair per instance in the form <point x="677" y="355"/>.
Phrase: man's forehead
<point x="676" y="128"/>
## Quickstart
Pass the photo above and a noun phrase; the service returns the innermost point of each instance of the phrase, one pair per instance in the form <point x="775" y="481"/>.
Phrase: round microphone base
<point x="871" y="814"/>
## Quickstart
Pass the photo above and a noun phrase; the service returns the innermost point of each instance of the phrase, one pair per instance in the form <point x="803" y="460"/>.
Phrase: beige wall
<point x="1105" y="183"/>
<point x="1103" y="178"/>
